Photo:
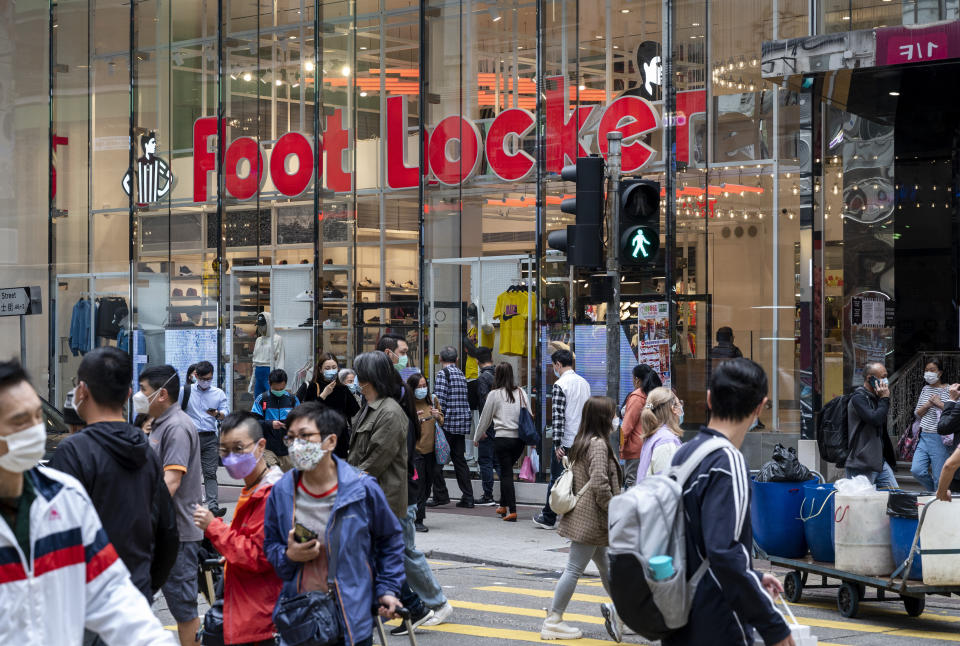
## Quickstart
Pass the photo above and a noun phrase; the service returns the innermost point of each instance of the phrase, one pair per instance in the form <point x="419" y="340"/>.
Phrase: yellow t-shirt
<point x="471" y="369"/>
<point x="512" y="309"/>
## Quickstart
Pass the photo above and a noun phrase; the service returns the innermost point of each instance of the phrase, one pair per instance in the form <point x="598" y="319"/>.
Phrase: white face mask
<point x="24" y="448"/>
<point x="141" y="403"/>
<point x="931" y="377"/>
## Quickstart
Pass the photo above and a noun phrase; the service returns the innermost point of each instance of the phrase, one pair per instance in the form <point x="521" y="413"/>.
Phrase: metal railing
<point x="906" y="384"/>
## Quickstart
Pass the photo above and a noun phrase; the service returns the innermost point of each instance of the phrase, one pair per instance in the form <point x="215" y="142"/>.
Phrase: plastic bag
<point x="784" y="467"/>
<point x="856" y="486"/>
<point x="535" y="461"/>
<point x="527" y="474"/>
<point x="903" y="504"/>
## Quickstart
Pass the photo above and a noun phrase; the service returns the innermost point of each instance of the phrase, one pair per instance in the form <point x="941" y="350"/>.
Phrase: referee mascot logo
<point x="152" y="175"/>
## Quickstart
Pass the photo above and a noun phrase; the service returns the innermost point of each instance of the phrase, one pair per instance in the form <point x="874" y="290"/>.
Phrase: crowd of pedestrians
<point x="337" y="479"/>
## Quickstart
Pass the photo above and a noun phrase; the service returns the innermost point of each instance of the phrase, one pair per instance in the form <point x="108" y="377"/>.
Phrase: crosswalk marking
<point x="543" y="594"/>
<point x="525" y="612"/>
<point x="509" y="634"/>
<point x="878" y="609"/>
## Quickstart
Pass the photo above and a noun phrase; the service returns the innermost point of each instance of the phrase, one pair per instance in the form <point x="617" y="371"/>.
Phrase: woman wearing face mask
<point x="661" y="418"/>
<point x="645" y="379"/>
<point x="348" y="378"/>
<point x="326" y="387"/>
<point x="931" y="453"/>
<point x="325" y="515"/>
<point x="425" y="459"/>
<point x="250" y="585"/>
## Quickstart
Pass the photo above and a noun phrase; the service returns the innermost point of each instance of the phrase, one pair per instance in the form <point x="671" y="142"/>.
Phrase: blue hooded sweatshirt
<point x="369" y="553"/>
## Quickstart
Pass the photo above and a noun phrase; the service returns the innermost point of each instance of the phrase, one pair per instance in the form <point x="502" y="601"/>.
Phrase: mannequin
<point x="267" y="354"/>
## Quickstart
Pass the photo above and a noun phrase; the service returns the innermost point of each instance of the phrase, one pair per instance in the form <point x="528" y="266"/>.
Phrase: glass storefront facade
<point x="396" y="165"/>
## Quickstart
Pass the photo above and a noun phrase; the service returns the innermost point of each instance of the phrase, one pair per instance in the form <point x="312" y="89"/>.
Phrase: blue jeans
<point x="487" y="464"/>
<point x="884" y="479"/>
<point x="556" y="468"/>
<point x="930" y="456"/>
<point x="419" y="576"/>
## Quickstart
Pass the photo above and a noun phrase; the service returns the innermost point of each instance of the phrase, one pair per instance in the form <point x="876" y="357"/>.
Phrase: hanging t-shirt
<point x="511" y="310"/>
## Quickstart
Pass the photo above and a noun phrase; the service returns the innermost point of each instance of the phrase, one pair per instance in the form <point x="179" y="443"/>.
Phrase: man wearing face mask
<point x="250" y="585"/>
<point x="871" y="451"/>
<point x="123" y="477"/>
<point x="207" y="406"/>
<point x="54" y="553"/>
<point x="327" y="520"/>
<point x="174" y="438"/>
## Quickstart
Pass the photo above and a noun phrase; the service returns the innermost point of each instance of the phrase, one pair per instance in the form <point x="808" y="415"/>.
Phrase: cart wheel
<point x="848" y="600"/>
<point x="793" y="587"/>
<point x="914" y="605"/>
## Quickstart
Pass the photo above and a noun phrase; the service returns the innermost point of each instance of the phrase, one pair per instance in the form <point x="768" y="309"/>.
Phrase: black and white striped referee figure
<point x="154" y="179"/>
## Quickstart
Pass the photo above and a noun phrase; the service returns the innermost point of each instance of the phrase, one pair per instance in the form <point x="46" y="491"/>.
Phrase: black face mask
<point x="261" y="320"/>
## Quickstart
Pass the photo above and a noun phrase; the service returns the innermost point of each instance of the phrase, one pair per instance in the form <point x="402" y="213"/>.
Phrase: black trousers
<point x="458" y="445"/>
<point x="427" y="469"/>
<point x="508" y="450"/>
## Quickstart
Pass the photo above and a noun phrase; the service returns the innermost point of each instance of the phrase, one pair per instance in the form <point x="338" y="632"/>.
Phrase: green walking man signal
<point x="639" y="222"/>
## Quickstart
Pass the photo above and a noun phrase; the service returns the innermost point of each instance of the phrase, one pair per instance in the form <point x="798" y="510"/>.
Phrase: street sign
<point x="20" y="301"/>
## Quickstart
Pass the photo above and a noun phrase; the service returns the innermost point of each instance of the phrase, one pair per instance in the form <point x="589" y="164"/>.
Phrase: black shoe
<point x="437" y="503"/>
<point x="219" y="512"/>
<point x="420" y="527"/>
<point x="541" y="522"/>
<point x="415" y="620"/>
<point x="465" y="504"/>
<point x="486" y="501"/>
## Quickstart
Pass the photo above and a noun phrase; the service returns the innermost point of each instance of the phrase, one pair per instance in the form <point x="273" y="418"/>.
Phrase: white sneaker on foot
<point x="612" y="621"/>
<point x="555" y="628"/>
<point x="440" y="615"/>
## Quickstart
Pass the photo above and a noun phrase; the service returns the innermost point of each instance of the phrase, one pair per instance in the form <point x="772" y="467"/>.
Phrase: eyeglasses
<point x="237" y="450"/>
<point x="288" y="440"/>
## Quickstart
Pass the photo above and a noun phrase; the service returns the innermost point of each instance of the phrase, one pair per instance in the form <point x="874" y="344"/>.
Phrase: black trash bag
<point x="903" y="504"/>
<point x="784" y="467"/>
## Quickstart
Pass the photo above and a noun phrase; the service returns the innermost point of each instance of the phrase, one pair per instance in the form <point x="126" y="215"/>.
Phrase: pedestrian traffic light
<point x="582" y="242"/>
<point x="639" y="222"/>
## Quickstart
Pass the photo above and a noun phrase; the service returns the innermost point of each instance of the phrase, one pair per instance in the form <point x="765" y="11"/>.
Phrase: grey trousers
<point x="209" y="461"/>
<point x="580" y="555"/>
<point x="630" y="472"/>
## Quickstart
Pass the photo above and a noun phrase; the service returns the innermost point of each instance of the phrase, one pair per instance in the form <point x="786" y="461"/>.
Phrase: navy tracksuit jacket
<point x="730" y="600"/>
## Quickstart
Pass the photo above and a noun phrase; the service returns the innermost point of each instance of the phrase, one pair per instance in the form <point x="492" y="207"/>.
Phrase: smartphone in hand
<point x="303" y="535"/>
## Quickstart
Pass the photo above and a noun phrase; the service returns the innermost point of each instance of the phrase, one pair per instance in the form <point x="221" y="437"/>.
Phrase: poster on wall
<point x="651" y="338"/>
<point x="184" y="347"/>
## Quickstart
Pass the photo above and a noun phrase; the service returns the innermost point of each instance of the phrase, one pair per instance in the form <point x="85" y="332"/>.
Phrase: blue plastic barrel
<point x="902" y="531"/>
<point x="816" y="510"/>
<point x="775" y="514"/>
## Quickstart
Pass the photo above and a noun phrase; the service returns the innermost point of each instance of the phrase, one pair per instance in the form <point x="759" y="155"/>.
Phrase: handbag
<point x="527" y="474"/>
<point x="907" y="445"/>
<point x="312" y="618"/>
<point x="211" y="634"/>
<point x="526" y="429"/>
<point x="562" y="498"/>
<point x="441" y="448"/>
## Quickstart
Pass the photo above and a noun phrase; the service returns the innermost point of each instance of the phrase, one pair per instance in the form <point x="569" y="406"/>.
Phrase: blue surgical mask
<point x="354" y="387"/>
<point x="278" y="393"/>
<point x="329" y="375"/>
<point x="420" y="393"/>
<point x="402" y="362"/>
<point x="556" y="373"/>
<point x="756" y="422"/>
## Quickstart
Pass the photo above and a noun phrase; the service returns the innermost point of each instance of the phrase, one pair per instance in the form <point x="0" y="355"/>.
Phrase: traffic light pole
<point x="613" y="267"/>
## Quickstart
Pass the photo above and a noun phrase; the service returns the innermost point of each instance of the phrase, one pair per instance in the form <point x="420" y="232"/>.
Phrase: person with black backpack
<point x="486" y="455"/>
<point x="871" y="452"/>
<point x="731" y="598"/>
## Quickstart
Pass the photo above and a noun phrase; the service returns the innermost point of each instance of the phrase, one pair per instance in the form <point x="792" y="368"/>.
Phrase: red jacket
<point x="250" y="585"/>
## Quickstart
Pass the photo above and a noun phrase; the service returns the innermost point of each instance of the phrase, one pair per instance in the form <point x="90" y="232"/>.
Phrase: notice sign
<point x="652" y="342"/>
<point x="19" y="301"/>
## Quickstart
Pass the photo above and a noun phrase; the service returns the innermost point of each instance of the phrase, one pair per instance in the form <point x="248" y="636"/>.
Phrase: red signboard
<point x="899" y="45"/>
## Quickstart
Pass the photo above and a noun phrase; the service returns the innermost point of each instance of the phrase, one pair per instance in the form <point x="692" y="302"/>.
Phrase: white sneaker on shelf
<point x="440" y="615"/>
<point x="331" y="324"/>
<point x="555" y="628"/>
<point x="306" y="296"/>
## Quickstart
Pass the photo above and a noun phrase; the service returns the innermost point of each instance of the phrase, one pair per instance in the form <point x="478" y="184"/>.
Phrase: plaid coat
<point x="587" y="522"/>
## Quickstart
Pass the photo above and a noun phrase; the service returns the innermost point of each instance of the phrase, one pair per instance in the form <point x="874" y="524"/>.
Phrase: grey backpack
<point x="646" y="521"/>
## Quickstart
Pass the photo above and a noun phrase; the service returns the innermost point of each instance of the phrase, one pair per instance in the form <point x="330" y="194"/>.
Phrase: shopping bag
<point x="441" y="448"/>
<point x="908" y="441"/>
<point x="527" y="474"/>
<point x="535" y="461"/>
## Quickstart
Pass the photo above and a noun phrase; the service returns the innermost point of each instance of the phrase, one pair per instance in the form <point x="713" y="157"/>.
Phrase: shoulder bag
<point x="526" y="429"/>
<point x="312" y="618"/>
<point x="441" y="448"/>
<point x="562" y="498"/>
